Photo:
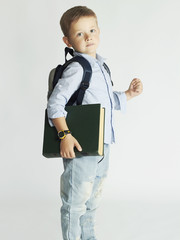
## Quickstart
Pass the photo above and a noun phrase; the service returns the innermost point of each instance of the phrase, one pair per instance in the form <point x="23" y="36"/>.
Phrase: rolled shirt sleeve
<point x="120" y="101"/>
<point x="64" y="89"/>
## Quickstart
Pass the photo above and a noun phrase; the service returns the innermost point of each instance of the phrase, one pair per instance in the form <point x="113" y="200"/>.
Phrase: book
<point x="86" y="122"/>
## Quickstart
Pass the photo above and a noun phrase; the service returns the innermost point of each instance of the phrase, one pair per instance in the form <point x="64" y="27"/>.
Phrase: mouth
<point x="90" y="44"/>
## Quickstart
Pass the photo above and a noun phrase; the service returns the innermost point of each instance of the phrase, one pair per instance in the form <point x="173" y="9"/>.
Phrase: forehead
<point x="83" y="23"/>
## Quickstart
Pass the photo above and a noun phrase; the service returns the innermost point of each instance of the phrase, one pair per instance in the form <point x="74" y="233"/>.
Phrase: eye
<point x="80" y="34"/>
<point x="92" y="30"/>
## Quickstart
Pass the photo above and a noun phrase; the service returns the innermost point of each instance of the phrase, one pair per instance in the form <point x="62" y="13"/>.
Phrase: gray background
<point x="141" y="196"/>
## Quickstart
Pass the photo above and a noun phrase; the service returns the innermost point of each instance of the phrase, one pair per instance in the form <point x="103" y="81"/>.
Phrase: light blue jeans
<point x="81" y="187"/>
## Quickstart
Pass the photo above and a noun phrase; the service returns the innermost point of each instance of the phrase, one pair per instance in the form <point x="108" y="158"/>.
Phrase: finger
<point x="133" y="81"/>
<point x="134" y="84"/>
<point x="78" y="146"/>
<point x="137" y="82"/>
<point x="137" y="86"/>
<point x="61" y="153"/>
<point x="136" y="79"/>
<point x="71" y="154"/>
<point x="65" y="155"/>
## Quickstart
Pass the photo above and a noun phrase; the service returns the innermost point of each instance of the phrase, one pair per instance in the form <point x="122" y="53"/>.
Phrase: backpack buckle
<point x="84" y="85"/>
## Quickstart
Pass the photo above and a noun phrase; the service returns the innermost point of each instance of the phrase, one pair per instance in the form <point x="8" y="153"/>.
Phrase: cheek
<point x="97" y="39"/>
<point x="79" y="43"/>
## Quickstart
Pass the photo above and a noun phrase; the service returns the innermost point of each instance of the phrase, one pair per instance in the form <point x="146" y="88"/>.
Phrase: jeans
<point x="81" y="187"/>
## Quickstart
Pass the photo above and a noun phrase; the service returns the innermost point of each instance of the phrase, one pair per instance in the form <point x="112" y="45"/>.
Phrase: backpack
<point x="57" y="72"/>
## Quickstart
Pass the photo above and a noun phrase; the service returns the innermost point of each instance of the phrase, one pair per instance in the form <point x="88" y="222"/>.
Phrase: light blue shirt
<point x="99" y="91"/>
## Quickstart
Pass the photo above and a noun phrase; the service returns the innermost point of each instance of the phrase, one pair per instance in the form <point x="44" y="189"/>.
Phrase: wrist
<point x="128" y="94"/>
<point x="63" y="133"/>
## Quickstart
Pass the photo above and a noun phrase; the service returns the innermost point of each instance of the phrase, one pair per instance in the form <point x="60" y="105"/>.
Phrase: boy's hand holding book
<point x="68" y="143"/>
<point x="67" y="146"/>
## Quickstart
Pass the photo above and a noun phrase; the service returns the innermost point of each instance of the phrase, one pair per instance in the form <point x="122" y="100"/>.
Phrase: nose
<point x="88" y="37"/>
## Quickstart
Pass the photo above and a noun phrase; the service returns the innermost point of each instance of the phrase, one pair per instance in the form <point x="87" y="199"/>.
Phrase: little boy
<point x="82" y="179"/>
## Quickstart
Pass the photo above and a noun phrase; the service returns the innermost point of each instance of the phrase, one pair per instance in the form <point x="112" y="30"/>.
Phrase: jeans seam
<point x="71" y="177"/>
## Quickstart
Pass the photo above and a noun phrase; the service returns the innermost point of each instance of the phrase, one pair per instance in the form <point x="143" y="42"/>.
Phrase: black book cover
<point x="86" y="122"/>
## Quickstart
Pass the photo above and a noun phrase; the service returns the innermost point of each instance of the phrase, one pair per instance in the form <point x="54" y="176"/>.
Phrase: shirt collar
<point x="92" y="60"/>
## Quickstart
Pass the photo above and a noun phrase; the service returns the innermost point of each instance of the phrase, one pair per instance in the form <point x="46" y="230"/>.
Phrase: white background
<point x="140" y="39"/>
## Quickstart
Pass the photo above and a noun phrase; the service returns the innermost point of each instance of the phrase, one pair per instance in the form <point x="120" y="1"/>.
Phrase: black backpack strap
<point x="78" y="95"/>
<point x="107" y="68"/>
<point x="108" y="71"/>
<point x="60" y="68"/>
<point x="70" y="51"/>
<point x="87" y="73"/>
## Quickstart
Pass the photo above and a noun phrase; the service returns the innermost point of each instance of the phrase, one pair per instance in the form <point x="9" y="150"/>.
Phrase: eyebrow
<point x="79" y="30"/>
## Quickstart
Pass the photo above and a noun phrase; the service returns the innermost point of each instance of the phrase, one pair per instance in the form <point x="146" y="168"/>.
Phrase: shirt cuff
<point x="120" y="100"/>
<point x="55" y="115"/>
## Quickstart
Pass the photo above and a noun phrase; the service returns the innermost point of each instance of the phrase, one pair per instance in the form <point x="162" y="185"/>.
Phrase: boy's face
<point x="84" y="36"/>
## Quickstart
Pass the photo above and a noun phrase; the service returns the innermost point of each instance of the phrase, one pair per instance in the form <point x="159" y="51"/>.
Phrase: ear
<point x="66" y="41"/>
